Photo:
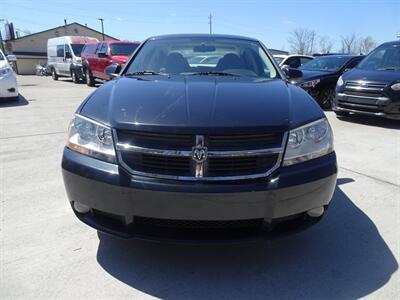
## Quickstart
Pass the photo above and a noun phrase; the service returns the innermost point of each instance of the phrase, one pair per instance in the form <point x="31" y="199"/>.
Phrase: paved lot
<point x="47" y="253"/>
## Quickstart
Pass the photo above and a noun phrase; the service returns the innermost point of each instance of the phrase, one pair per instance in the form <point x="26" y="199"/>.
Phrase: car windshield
<point x="278" y="59"/>
<point x="326" y="63"/>
<point x="385" y="57"/>
<point x="77" y="48"/>
<point x="1" y="56"/>
<point x="215" y="56"/>
<point x="122" y="49"/>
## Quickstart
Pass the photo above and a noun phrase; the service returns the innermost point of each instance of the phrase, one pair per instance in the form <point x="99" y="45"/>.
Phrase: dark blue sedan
<point x="174" y="148"/>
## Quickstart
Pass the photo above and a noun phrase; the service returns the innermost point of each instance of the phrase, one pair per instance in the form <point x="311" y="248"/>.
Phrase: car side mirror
<point x="292" y="73"/>
<point x="11" y="58"/>
<point x="68" y="55"/>
<point x="113" y="70"/>
<point x="102" y="55"/>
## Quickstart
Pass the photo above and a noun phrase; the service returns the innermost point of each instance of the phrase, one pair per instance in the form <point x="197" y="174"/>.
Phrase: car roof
<point x="200" y="35"/>
<point x="122" y="42"/>
<point x="340" y="55"/>
<point x="391" y="43"/>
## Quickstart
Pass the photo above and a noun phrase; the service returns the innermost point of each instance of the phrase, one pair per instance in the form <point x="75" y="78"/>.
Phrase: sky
<point x="271" y="21"/>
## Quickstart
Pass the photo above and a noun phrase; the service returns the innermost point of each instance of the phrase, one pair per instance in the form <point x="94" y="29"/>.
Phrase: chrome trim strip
<point x="205" y="178"/>
<point x="366" y="97"/>
<point x="166" y="152"/>
<point x="360" y="111"/>
<point x="131" y="148"/>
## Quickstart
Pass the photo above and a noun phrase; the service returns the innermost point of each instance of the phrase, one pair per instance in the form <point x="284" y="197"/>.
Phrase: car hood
<point x="200" y="104"/>
<point x="119" y="59"/>
<point x="311" y="75"/>
<point x="372" y="75"/>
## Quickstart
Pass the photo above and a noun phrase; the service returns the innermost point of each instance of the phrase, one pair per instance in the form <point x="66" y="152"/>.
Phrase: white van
<point x="64" y="56"/>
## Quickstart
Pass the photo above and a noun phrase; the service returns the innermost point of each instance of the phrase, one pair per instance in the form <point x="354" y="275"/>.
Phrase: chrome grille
<point x="171" y="156"/>
<point x="363" y="96"/>
<point x="365" y="85"/>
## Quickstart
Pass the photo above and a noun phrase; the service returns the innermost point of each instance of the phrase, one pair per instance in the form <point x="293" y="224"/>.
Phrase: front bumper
<point x="372" y="106"/>
<point x="8" y="86"/>
<point x="116" y="199"/>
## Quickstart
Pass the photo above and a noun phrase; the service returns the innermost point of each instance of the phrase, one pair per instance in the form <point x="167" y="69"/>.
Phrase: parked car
<point x="170" y="150"/>
<point x="96" y="57"/>
<point x="373" y="87"/>
<point x="64" y="56"/>
<point x="292" y="61"/>
<point x="8" y="80"/>
<point x="321" y="74"/>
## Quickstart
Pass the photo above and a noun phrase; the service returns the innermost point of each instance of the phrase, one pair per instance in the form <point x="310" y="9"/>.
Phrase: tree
<point x="325" y="44"/>
<point x="349" y="43"/>
<point x="302" y="41"/>
<point x="366" y="44"/>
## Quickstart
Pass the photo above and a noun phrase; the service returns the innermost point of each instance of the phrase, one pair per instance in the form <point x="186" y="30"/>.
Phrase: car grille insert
<point x="199" y="157"/>
<point x="363" y="96"/>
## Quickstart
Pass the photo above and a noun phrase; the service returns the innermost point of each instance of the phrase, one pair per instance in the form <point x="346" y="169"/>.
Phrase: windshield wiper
<point x="144" y="72"/>
<point x="214" y="73"/>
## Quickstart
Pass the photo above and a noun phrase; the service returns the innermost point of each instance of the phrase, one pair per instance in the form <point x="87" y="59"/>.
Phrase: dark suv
<point x="373" y="87"/>
<point x="224" y="149"/>
<point x="98" y="56"/>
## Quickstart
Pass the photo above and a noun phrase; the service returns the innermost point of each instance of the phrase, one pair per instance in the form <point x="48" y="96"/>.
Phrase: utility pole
<point x="102" y="27"/>
<point x="210" y="22"/>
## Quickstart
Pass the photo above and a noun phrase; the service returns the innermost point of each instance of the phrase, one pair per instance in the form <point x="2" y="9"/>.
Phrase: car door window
<point x="102" y="48"/>
<point x="304" y="60"/>
<point x="60" y="50"/>
<point x="353" y="63"/>
<point x="293" y="62"/>
<point x="67" y="49"/>
<point x="98" y="48"/>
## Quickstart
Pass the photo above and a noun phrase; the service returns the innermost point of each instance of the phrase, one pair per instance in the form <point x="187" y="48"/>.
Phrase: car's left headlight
<point x="5" y="71"/>
<point x="308" y="142"/>
<point x="91" y="138"/>
<point x="340" y="81"/>
<point x="309" y="84"/>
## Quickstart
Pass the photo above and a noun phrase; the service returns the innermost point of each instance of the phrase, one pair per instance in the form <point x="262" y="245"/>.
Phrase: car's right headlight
<point x="309" y="84"/>
<point x="91" y="138"/>
<point x="308" y="142"/>
<point x="5" y="71"/>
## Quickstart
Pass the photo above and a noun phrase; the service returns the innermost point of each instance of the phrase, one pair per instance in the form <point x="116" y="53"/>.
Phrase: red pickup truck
<point x="97" y="56"/>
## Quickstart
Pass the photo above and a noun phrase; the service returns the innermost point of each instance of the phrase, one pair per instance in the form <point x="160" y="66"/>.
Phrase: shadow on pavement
<point x="21" y="101"/>
<point x="372" y="121"/>
<point x="343" y="256"/>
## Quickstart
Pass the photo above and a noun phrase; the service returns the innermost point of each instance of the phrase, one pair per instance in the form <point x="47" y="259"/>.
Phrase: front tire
<point x="54" y="74"/>
<point x="340" y="113"/>
<point x="75" y="78"/>
<point x="89" y="78"/>
<point x="325" y="98"/>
